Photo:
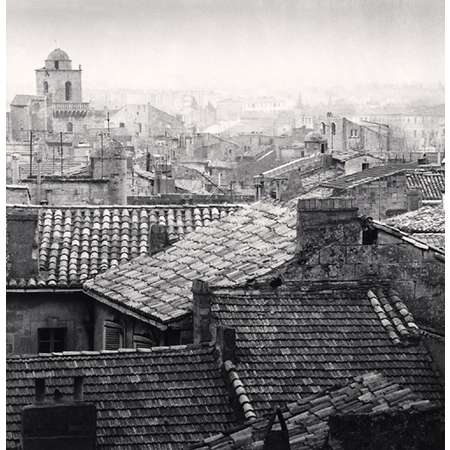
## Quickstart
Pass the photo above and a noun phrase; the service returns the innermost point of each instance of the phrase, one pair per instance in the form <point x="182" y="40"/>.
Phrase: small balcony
<point x="70" y="109"/>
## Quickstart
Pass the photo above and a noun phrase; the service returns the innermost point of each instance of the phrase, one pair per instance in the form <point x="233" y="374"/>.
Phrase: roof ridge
<point x="397" y="320"/>
<point x="107" y="353"/>
<point x="239" y="390"/>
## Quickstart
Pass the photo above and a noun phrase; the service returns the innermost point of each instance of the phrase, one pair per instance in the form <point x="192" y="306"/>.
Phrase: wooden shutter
<point x="113" y="336"/>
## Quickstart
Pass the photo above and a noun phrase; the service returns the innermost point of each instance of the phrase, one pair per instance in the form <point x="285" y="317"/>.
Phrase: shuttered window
<point x="113" y="336"/>
<point x="143" y="341"/>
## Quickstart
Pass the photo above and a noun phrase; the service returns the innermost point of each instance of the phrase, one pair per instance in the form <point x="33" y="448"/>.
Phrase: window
<point x="68" y="90"/>
<point x="51" y="340"/>
<point x="69" y="127"/>
<point x="113" y="339"/>
<point x="140" y="341"/>
<point x="353" y="132"/>
<point x="121" y="125"/>
<point x="370" y="236"/>
<point x="139" y="127"/>
<point x="45" y="87"/>
<point x="322" y="128"/>
<point x="333" y="128"/>
<point x="56" y="65"/>
<point x="173" y="337"/>
<point x="365" y="165"/>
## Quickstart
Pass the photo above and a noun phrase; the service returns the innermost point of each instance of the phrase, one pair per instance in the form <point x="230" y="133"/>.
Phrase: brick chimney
<point x="22" y="241"/>
<point x="323" y="221"/>
<point x="202" y="320"/>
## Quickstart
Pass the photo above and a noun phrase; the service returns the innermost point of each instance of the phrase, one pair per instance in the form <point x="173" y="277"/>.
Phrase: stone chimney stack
<point x="22" y="242"/>
<point x="323" y="221"/>
<point x="201" y="311"/>
<point x="113" y="167"/>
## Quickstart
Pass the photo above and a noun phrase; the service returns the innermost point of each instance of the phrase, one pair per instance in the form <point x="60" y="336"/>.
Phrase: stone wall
<point x="56" y="80"/>
<point x="416" y="274"/>
<point x="187" y="199"/>
<point x="27" y="312"/>
<point x="380" y="198"/>
<point x="83" y="317"/>
<point x="71" y="191"/>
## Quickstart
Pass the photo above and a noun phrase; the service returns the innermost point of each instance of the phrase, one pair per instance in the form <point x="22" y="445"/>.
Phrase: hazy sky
<point x="228" y="43"/>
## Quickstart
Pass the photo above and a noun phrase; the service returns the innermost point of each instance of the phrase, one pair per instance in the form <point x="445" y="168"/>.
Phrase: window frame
<point x="52" y="339"/>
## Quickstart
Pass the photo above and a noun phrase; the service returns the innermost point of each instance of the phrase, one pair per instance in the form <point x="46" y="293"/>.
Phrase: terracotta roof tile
<point x="430" y="183"/>
<point x="307" y="419"/>
<point x="246" y="244"/>
<point x="426" y="224"/>
<point x="302" y="336"/>
<point x="367" y="176"/>
<point x="77" y="243"/>
<point x="167" y="397"/>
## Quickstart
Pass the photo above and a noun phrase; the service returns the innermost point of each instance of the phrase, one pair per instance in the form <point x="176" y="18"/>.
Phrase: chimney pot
<point x="39" y="384"/>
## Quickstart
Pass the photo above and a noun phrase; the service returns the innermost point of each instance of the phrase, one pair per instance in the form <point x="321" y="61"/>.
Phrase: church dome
<point x="58" y="55"/>
<point x="314" y="136"/>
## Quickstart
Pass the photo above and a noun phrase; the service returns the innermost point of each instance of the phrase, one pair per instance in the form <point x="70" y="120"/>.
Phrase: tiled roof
<point x="163" y="398"/>
<point x="289" y="167"/>
<point x="48" y="168"/>
<point x="307" y="419"/>
<point x="246" y="244"/>
<point x="77" y="243"/>
<point x="431" y="184"/>
<point x="22" y="99"/>
<point x="302" y="337"/>
<point x="368" y="175"/>
<point x="433" y="239"/>
<point x="426" y="224"/>
<point x="394" y="316"/>
<point x="348" y="155"/>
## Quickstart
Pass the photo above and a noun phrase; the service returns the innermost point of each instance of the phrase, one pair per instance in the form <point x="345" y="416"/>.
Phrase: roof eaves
<point x="134" y="312"/>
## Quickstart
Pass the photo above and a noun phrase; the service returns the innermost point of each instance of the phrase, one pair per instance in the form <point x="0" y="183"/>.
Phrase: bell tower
<point x="57" y="80"/>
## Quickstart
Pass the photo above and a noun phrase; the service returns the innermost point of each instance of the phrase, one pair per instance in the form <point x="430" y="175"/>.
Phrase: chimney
<point x="113" y="167"/>
<point x="15" y="169"/>
<point x="158" y="238"/>
<point x="323" y="221"/>
<point x="39" y="386"/>
<point x="202" y="311"/>
<point x="226" y="343"/>
<point x="78" y="388"/>
<point x="414" y="199"/>
<point x="21" y="241"/>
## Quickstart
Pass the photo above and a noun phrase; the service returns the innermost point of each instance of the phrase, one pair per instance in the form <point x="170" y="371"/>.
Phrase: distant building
<point x="416" y="130"/>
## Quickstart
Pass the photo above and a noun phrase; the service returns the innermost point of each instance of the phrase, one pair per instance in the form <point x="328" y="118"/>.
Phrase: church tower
<point x="58" y="80"/>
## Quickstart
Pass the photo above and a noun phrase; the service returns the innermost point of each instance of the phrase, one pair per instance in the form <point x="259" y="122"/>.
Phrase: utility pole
<point x="107" y="120"/>
<point x="38" y="177"/>
<point x="101" y="147"/>
<point x="61" y="143"/>
<point x="31" y="154"/>
<point x="231" y="190"/>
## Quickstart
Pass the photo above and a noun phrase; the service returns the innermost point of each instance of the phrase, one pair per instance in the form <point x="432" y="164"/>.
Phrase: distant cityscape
<point x="226" y="269"/>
